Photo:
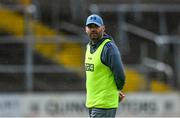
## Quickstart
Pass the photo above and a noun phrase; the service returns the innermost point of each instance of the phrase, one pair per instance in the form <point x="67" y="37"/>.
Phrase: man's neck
<point x="93" y="42"/>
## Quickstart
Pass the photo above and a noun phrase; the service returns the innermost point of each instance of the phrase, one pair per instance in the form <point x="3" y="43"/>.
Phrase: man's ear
<point x="103" y="27"/>
<point x="85" y="29"/>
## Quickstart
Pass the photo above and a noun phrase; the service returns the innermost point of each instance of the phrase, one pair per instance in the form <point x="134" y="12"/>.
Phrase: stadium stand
<point x="62" y="55"/>
<point x="48" y="53"/>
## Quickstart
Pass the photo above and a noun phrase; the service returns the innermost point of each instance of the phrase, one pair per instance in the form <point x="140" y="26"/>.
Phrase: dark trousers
<point x="99" y="112"/>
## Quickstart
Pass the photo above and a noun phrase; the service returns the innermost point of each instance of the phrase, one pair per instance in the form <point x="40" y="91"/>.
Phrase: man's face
<point x="94" y="31"/>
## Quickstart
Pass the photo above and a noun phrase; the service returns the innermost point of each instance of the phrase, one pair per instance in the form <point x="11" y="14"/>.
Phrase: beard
<point x="95" y="36"/>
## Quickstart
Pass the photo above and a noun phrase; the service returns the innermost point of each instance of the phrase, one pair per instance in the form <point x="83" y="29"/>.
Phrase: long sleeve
<point x="111" y="57"/>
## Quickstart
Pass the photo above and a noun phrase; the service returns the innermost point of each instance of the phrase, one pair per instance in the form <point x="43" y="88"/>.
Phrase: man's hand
<point x="121" y="96"/>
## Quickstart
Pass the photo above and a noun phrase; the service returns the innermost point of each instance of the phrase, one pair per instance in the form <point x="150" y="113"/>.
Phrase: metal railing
<point x="29" y="68"/>
<point x="160" y="40"/>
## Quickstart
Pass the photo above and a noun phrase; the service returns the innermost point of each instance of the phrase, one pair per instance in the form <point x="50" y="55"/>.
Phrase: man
<point x="104" y="70"/>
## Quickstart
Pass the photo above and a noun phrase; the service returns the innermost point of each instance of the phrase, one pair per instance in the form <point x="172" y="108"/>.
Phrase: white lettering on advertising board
<point x="73" y="104"/>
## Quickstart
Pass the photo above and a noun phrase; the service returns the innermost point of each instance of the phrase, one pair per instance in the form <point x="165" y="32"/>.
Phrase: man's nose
<point x="93" y="29"/>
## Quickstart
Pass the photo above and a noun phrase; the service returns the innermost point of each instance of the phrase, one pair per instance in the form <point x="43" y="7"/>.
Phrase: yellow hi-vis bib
<point x="101" y="88"/>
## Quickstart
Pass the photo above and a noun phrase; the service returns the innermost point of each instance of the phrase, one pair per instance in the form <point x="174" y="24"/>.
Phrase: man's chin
<point x="94" y="39"/>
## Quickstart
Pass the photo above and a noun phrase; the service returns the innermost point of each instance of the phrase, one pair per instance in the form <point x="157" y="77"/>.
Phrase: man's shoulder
<point x="110" y="48"/>
<point x="110" y="44"/>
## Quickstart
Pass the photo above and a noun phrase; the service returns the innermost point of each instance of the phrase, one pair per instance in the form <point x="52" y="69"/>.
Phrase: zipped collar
<point x="105" y="36"/>
<point x="94" y="46"/>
